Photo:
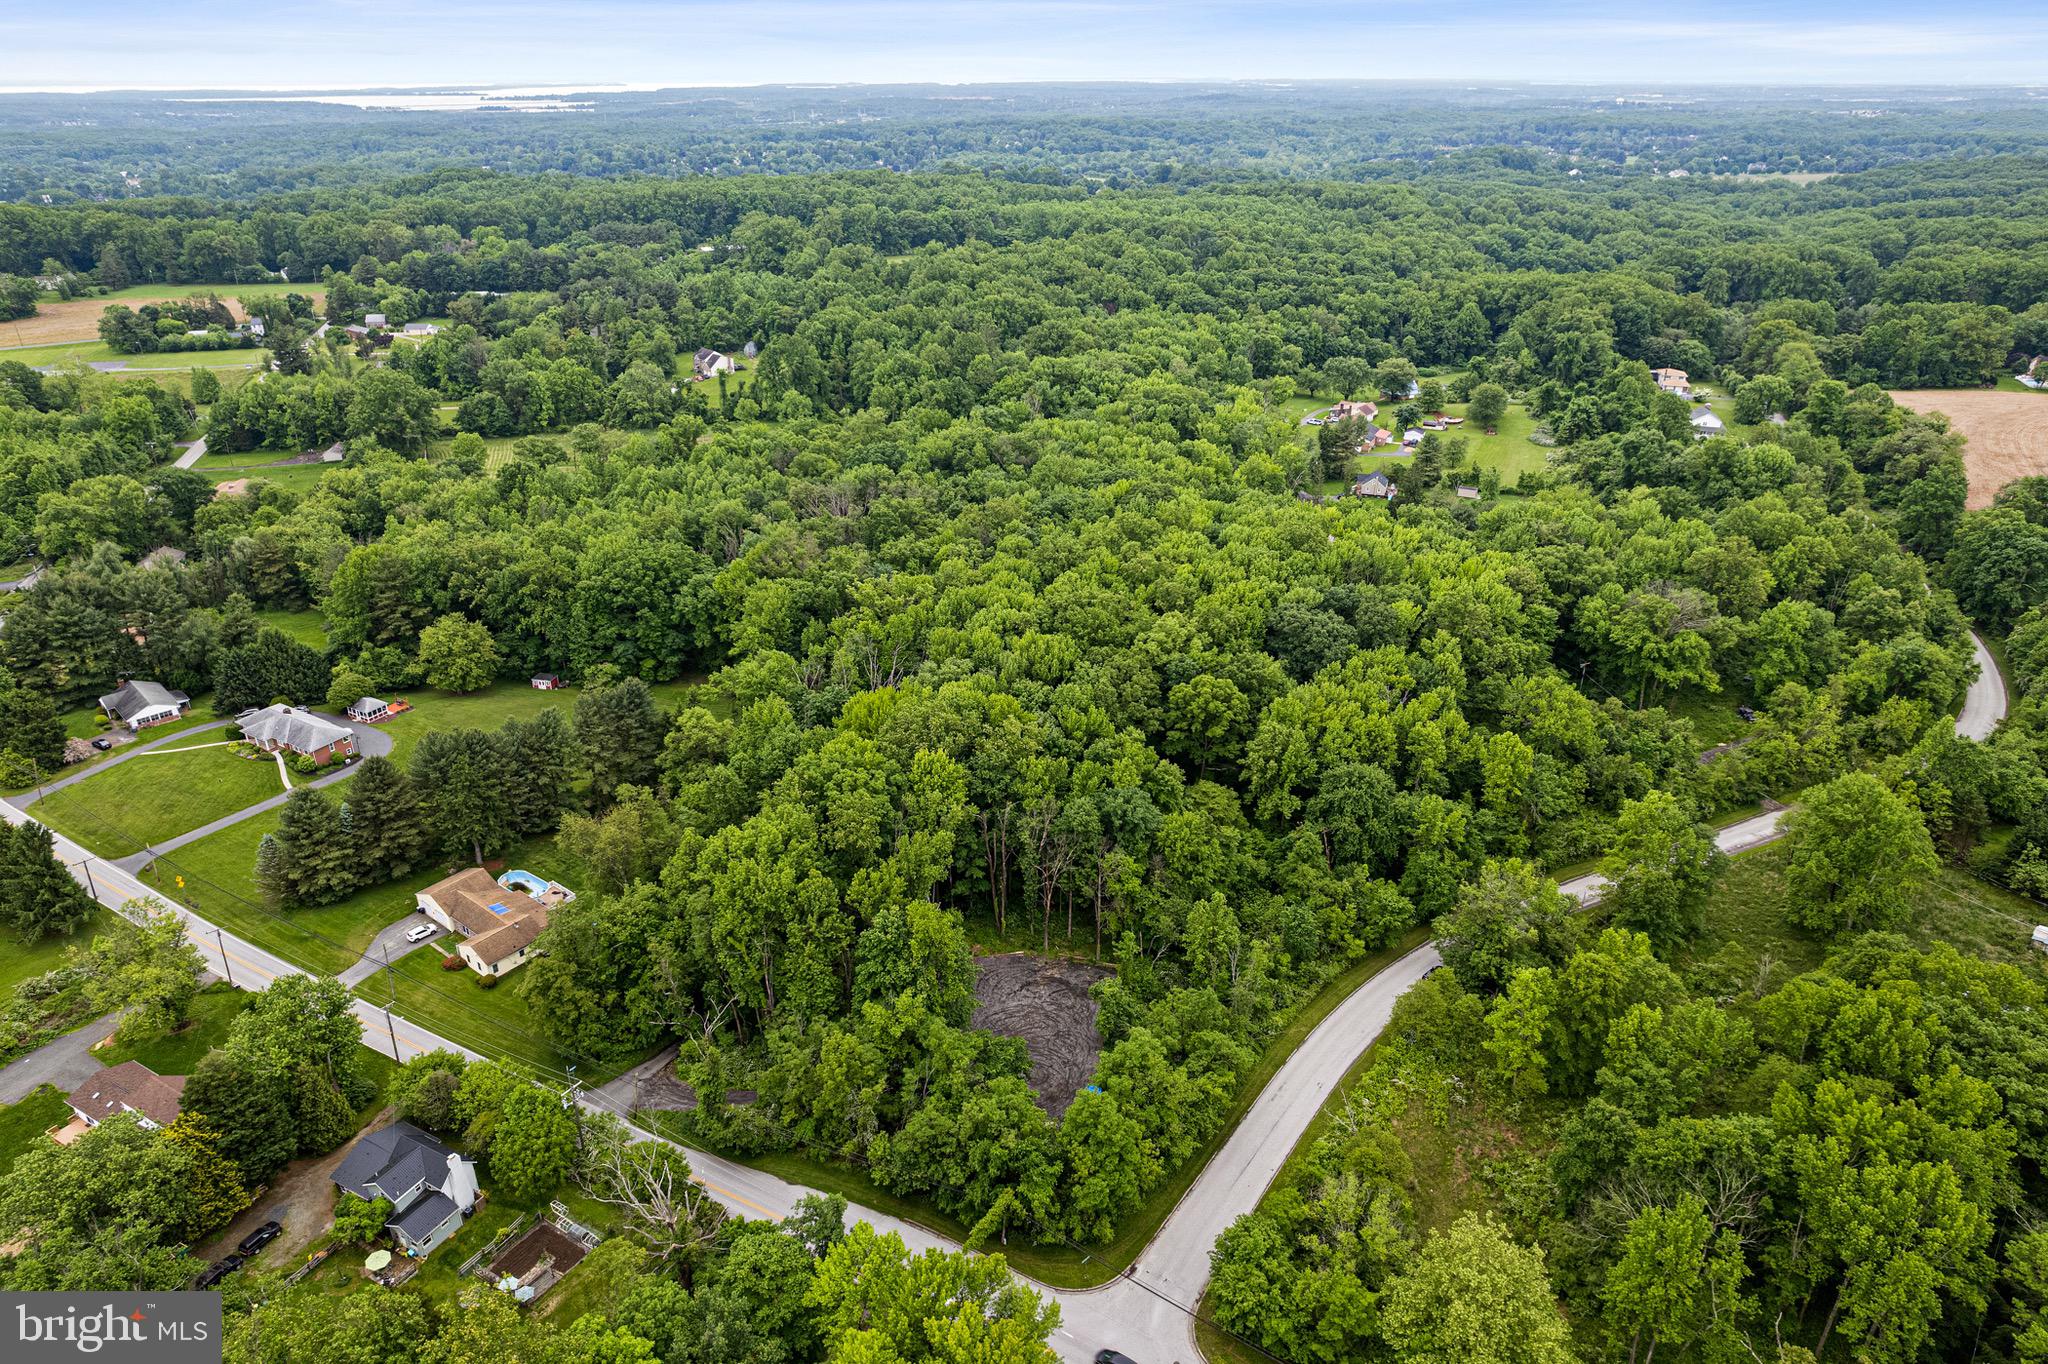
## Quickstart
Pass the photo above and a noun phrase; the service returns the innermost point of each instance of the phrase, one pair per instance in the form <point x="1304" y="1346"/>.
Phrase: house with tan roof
<point x="499" y="924"/>
<point x="1672" y="380"/>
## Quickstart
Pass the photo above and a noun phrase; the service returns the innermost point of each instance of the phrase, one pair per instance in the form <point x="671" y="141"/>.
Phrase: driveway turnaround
<point x="1984" y="704"/>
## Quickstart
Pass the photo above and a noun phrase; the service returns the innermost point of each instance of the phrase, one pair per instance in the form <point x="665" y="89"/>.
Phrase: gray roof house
<point x="300" y="731"/>
<point x="708" y="362"/>
<point x="431" y="1188"/>
<point x="136" y="704"/>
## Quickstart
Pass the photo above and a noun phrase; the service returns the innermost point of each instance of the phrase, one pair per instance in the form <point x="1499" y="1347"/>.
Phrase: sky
<point x="327" y="44"/>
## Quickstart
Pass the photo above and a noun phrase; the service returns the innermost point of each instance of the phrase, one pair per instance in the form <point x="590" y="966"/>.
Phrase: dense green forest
<point x="1030" y="616"/>
<point x="129" y="144"/>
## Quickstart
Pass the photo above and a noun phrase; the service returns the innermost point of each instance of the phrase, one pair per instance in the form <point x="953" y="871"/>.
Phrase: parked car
<point x="219" y="1270"/>
<point x="1746" y="713"/>
<point x="420" y="934"/>
<point x="103" y="744"/>
<point x="1113" y="1357"/>
<point x="260" y="1238"/>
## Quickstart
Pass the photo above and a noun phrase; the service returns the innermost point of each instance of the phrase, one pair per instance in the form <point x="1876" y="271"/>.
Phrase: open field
<point x="157" y="795"/>
<point x="1509" y="449"/>
<point x="88" y="350"/>
<point x="493" y="706"/>
<point x="297" y="478"/>
<point x="306" y="627"/>
<point x="20" y="961"/>
<point x="78" y="319"/>
<point x="2007" y="432"/>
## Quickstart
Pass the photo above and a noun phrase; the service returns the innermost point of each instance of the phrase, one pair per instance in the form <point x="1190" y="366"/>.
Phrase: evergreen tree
<point x="38" y="896"/>
<point x="271" y="666"/>
<point x="382" y="822"/>
<point x="540" y="768"/>
<point x="29" y="726"/>
<point x="310" y="861"/>
<point x="620" y="730"/>
<point x="461" y="776"/>
<point x="322" y="1116"/>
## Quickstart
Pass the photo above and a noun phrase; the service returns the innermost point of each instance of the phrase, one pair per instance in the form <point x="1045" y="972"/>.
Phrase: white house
<point x="708" y="362"/>
<point x="499" y="924"/>
<point x="1705" y="423"/>
<point x="140" y="704"/>
<point x="368" y="710"/>
<point x="373" y="321"/>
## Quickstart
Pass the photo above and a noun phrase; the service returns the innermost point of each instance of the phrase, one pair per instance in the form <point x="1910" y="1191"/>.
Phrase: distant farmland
<point x="62" y="321"/>
<point x="2006" y="433"/>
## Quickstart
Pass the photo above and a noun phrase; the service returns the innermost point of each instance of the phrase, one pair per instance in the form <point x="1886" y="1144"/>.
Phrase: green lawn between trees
<point x="158" y="795"/>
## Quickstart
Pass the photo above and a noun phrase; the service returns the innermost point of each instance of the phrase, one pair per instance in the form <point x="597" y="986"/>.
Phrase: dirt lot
<point x="2007" y="433"/>
<point x="301" y="1198"/>
<point x="1046" y="1003"/>
<point x="78" y="319"/>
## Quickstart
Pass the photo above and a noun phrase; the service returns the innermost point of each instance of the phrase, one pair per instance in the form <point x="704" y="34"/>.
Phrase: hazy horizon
<point x="352" y="45"/>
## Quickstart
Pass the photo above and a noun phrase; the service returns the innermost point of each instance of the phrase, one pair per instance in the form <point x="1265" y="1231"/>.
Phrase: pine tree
<point x="214" y="1181"/>
<point x="382" y="821"/>
<point x="540" y="756"/>
<point x="321" y="1115"/>
<point x="620" y="730"/>
<point x="238" y="623"/>
<point x="29" y="726"/>
<point x="461" y="776"/>
<point x="310" y="861"/>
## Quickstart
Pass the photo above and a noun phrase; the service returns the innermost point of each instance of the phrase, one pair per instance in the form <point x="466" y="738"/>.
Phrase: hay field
<point x="2006" y="434"/>
<point x="66" y="320"/>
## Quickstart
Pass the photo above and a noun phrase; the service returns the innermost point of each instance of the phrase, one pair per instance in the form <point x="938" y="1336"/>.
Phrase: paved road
<point x="1984" y="705"/>
<point x="35" y="575"/>
<point x="192" y="454"/>
<point x="66" y="1063"/>
<point x="240" y="963"/>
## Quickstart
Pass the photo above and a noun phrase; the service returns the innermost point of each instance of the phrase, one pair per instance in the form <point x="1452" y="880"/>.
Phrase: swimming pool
<point x="536" y="886"/>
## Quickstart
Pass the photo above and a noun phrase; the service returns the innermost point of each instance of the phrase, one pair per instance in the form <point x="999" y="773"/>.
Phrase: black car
<point x="219" y="1270"/>
<point x="260" y="1238"/>
<point x="103" y="744"/>
<point x="1745" y="712"/>
<point x="1112" y="1357"/>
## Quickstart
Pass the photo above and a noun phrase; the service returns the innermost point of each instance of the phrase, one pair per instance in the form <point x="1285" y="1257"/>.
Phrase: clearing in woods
<point x="1044" y="1001"/>
<point x="57" y="321"/>
<point x="2006" y="433"/>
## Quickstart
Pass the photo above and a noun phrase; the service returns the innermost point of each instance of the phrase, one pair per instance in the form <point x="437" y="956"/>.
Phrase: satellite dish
<point x="378" y="1260"/>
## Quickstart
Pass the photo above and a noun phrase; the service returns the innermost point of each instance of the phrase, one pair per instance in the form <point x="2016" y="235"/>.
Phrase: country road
<point x="1984" y="704"/>
<point x="1147" y="1313"/>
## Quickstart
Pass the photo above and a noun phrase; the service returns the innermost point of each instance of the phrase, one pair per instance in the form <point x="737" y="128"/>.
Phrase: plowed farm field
<point x="2005" y="434"/>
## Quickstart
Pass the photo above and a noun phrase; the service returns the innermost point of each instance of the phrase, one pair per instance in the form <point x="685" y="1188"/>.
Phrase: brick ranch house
<point x="297" y="731"/>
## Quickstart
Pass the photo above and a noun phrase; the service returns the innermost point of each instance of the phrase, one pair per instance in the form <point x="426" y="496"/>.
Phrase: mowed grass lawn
<point x="206" y="1027"/>
<point x="307" y="627"/>
<point x="22" y="1125"/>
<point x="493" y="706"/>
<point x="295" y="478"/>
<point x="157" y="795"/>
<point x="495" y="1022"/>
<point x="87" y="352"/>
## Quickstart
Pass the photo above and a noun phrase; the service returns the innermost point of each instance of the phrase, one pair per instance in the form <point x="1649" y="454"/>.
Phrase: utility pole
<point x="223" y="944"/>
<point x="391" y="985"/>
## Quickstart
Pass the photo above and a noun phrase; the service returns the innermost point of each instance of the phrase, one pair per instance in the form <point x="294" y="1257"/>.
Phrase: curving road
<point x="1984" y="703"/>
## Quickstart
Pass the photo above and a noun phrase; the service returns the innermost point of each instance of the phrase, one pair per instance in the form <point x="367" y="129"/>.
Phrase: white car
<point x="420" y="934"/>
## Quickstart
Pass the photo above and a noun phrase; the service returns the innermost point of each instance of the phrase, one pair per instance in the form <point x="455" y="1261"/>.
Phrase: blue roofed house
<point x="431" y="1188"/>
